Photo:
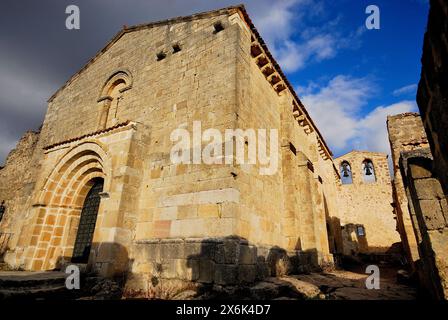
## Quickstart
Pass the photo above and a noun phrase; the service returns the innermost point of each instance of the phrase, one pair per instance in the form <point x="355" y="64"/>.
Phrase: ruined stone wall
<point x="406" y="133"/>
<point x="430" y="207"/>
<point x="367" y="204"/>
<point x="432" y="97"/>
<point x="18" y="177"/>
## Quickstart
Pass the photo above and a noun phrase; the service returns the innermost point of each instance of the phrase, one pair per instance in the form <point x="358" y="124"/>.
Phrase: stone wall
<point x="209" y="261"/>
<point x="113" y="121"/>
<point x="432" y="97"/>
<point x="49" y="225"/>
<point x="429" y="205"/>
<point x="291" y="211"/>
<point x="406" y="133"/>
<point x="367" y="204"/>
<point x="161" y="96"/>
<point x="18" y="177"/>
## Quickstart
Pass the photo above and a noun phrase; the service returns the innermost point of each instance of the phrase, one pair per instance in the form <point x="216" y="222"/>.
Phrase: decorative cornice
<point x="273" y="72"/>
<point x="92" y="134"/>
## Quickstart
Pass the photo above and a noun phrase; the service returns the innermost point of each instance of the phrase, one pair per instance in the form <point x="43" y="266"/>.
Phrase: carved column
<point x="104" y="112"/>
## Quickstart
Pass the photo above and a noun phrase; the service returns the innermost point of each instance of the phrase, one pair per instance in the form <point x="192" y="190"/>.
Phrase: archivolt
<point x="119" y="76"/>
<point x="64" y="186"/>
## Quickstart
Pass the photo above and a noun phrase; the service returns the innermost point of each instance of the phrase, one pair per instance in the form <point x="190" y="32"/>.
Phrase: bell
<point x="368" y="170"/>
<point x="345" y="171"/>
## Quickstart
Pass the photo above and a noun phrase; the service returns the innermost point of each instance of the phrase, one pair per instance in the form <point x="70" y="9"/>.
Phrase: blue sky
<point x="348" y="77"/>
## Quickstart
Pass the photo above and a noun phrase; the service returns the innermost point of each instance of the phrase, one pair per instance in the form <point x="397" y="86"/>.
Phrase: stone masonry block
<point x="419" y="172"/>
<point x="247" y="273"/>
<point x="432" y="214"/>
<point x="172" y="250"/>
<point x="227" y="252"/>
<point x="248" y="255"/>
<point x="226" y="274"/>
<point x="150" y="251"/>
<point x="428" y="189"/>
<point x="444" y="205"/>
<point x="206" y="270"/>
<point x="192" y="250"/>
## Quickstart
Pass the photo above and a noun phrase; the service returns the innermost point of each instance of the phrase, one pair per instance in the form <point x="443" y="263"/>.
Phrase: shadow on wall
<point x="233" y="260"/>
<point x="168" y="266"/>
<point x="351" y="246"/>
<point x="106" y="259"/>
<point x="231" y="268"/>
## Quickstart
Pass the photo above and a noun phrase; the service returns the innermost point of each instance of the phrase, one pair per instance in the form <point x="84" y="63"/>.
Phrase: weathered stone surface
<point x="427" y="203"/>
<point x="207" y="269"/>
<point x="367" y="205"/>
<point x="220" y="224"/>
<point x="432" y="99"/>
<point x="247" y="273"/>
<point x="406" y="133"/>
<point x="428" y="188"/>
<point x="248" y="255"/>
<point x="419" y="172"/>
<point x="307" y="290"/>
<point x="226" y="274"/>
<point x="432" y="214"/>
<point x="116" y="136"/>
<point x="432" y="96"/>
<point x="265" y="291"/>
<point x="185" y="295"/>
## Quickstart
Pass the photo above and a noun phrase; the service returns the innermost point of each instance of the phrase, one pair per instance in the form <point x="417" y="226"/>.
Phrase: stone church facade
<point x="96" y="186"/>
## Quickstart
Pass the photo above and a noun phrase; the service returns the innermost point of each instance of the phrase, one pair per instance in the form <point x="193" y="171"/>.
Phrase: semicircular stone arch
<point x="61" y="202"/>
<point x="110" y="97"/>
<point x="118" y="76"/>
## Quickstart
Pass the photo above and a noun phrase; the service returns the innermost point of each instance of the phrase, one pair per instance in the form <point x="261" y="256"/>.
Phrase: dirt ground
<point x="351" y="285"/>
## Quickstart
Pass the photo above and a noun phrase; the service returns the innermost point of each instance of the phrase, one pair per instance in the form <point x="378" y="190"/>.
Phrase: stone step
<point x="33" y="285"/>
<point x="56" y="292"/>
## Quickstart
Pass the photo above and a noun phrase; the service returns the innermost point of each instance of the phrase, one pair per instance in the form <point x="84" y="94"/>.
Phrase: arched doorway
<point x="87" y="222"/>
<point x="57" y="213"/>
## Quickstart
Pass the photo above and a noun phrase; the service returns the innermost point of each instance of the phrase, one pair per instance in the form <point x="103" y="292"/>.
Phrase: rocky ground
<point x="330" y="285"/>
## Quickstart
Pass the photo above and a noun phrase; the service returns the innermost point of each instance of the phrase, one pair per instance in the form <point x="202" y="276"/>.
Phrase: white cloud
<point x="373" y="130"/>
<point x="412" y="88"/>
<point x="337" y="109"/>
<point x="292" y="42"/>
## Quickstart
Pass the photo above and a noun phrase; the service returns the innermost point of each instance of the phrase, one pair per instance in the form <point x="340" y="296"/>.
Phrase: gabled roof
<point x="228" y="10"/>
<point x="363" y="152"/>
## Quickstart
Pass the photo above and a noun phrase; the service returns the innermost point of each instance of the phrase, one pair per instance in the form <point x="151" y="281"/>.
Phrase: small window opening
<point x="218" y="27"/>
<point x="310" y="166"/>
<point x="161" y="55"/>
<point x="176" y="48"/>
<point x="368" y="171"/>
<point x="292" y="148"/>
<point x="2" y="210"/>
<point x="360" y="231"/>
<point x="346" y="173"/>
